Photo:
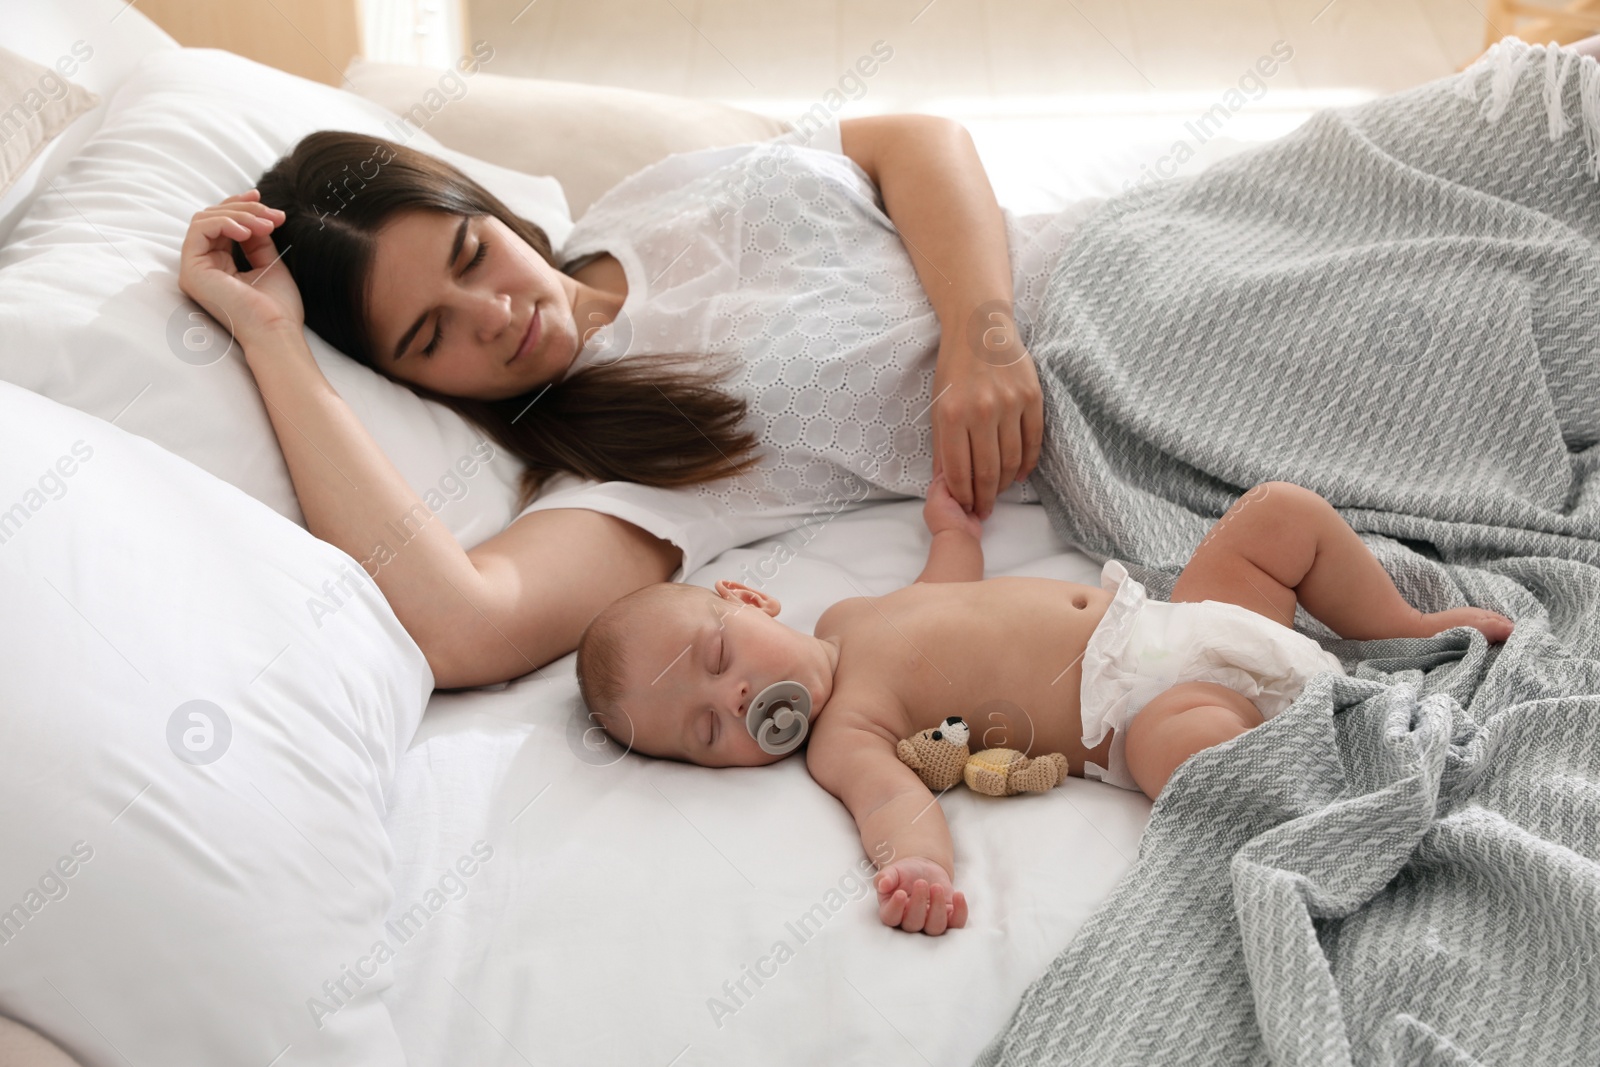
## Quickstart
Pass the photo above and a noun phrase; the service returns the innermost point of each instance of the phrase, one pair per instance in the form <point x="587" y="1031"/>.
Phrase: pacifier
<point x="779" y="717"/>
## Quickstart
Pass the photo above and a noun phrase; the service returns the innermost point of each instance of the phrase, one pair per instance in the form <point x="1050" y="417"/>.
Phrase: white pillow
<point x="115" y="36"/>
<point x="589" y="137"/>
<point x="46" y="104"/>
<point x="92" y="315"/>
<point x="177" y="890"/>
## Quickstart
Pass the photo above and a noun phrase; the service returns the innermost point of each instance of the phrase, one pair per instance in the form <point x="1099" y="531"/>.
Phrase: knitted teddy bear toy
<point x="941" y="759"/>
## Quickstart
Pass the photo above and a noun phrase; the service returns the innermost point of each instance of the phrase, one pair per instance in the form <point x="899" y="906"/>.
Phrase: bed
<point x="539" y="895"/>
<point x="238" y="825"/>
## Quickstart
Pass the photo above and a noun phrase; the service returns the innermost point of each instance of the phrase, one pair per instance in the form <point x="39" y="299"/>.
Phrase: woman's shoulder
<point x="718" y="180"/>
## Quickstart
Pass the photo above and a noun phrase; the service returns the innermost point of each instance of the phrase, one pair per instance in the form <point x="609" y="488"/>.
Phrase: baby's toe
<point x="1494" y="626"/>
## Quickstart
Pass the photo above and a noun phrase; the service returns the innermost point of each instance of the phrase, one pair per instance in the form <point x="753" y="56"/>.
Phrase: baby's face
<point x="694" y="670"/>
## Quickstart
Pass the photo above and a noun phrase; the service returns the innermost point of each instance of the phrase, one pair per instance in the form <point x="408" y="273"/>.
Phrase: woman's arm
<point x="989" y="411"/>
<point x="515" y="602"/>
<point x="512" y="604"/>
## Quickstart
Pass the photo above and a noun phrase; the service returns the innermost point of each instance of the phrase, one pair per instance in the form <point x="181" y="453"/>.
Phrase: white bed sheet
<point x="621" y="896"/>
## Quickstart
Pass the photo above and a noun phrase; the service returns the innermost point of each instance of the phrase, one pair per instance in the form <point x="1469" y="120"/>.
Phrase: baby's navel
<point x="1080" y="601"/>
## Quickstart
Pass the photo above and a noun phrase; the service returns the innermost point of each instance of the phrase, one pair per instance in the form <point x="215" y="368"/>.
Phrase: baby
<point x="1125" y="687"/>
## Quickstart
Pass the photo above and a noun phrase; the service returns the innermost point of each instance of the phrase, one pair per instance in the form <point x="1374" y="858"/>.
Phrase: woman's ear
<point x="728" y="589"/>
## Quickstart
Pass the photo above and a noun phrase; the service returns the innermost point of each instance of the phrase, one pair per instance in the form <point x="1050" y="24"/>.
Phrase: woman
<point x="837" y="359"/>
<point x="429" y="279"/>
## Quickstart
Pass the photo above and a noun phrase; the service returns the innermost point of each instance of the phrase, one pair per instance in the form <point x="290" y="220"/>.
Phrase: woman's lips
<point x="529" y="340"/>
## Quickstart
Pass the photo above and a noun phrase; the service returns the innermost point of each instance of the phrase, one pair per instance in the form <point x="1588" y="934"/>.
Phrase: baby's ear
<point x="739" y="593"/>
<point x="908" y="755"/>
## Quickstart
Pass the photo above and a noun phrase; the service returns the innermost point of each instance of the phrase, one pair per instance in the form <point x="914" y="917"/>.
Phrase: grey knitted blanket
<point x="1395" y="305"/>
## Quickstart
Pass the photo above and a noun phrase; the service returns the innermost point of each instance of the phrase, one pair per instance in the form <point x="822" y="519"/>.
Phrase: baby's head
<point x="670" y="670"/>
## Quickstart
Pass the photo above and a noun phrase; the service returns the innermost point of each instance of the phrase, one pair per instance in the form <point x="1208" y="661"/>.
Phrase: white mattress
<point x="621" y="896"/>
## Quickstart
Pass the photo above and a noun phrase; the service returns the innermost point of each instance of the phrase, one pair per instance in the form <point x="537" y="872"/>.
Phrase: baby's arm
<point x="901" y="824"/>
<point x="957" y="551"/>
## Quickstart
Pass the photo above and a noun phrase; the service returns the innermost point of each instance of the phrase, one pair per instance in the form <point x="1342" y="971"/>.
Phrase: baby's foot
<point x="1491" y="624"/>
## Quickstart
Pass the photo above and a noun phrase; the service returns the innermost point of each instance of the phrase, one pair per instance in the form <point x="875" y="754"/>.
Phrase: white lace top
<point x="778" y="256"/>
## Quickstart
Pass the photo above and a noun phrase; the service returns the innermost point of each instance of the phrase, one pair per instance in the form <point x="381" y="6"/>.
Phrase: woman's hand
<point x="915" y="894"/>
<point x="988" y="413"/>
<point x="250" y="303"/>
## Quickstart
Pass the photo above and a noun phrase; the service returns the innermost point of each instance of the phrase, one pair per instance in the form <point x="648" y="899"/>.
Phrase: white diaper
<point x="1143" y="647"/>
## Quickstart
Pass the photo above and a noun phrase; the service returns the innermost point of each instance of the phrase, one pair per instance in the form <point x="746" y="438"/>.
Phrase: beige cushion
<point x="22" y="1047"/>
<point x="36" y="104"/>
<point x="588" y="137"/>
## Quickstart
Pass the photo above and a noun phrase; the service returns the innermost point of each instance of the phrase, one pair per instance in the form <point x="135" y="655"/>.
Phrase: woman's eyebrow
<point x="455" y="254"/>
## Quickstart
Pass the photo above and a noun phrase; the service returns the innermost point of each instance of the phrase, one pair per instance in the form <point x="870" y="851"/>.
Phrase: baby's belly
<point x="1013" y="675"/>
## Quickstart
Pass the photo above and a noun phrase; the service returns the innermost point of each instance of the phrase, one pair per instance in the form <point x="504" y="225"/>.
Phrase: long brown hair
<point x="658" y="420"/>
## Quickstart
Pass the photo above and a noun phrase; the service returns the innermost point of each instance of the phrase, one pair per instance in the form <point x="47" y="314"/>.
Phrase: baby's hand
<point x="915" y="894"/>
<point x="944" y="512"/>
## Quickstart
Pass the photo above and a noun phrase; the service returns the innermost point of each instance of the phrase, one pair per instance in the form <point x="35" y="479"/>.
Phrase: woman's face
<point x="451" y="300"/>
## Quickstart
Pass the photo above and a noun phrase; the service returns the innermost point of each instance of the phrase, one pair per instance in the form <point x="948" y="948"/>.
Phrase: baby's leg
<point x="1179" y="722"/>
<point x="1281" y="544"/>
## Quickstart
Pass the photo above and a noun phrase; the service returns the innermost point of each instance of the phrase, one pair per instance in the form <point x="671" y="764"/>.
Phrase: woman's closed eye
<point x="477" y="257"/>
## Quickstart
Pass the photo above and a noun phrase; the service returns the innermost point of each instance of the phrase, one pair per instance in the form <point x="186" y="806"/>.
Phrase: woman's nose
<point x="497" y="316"/>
